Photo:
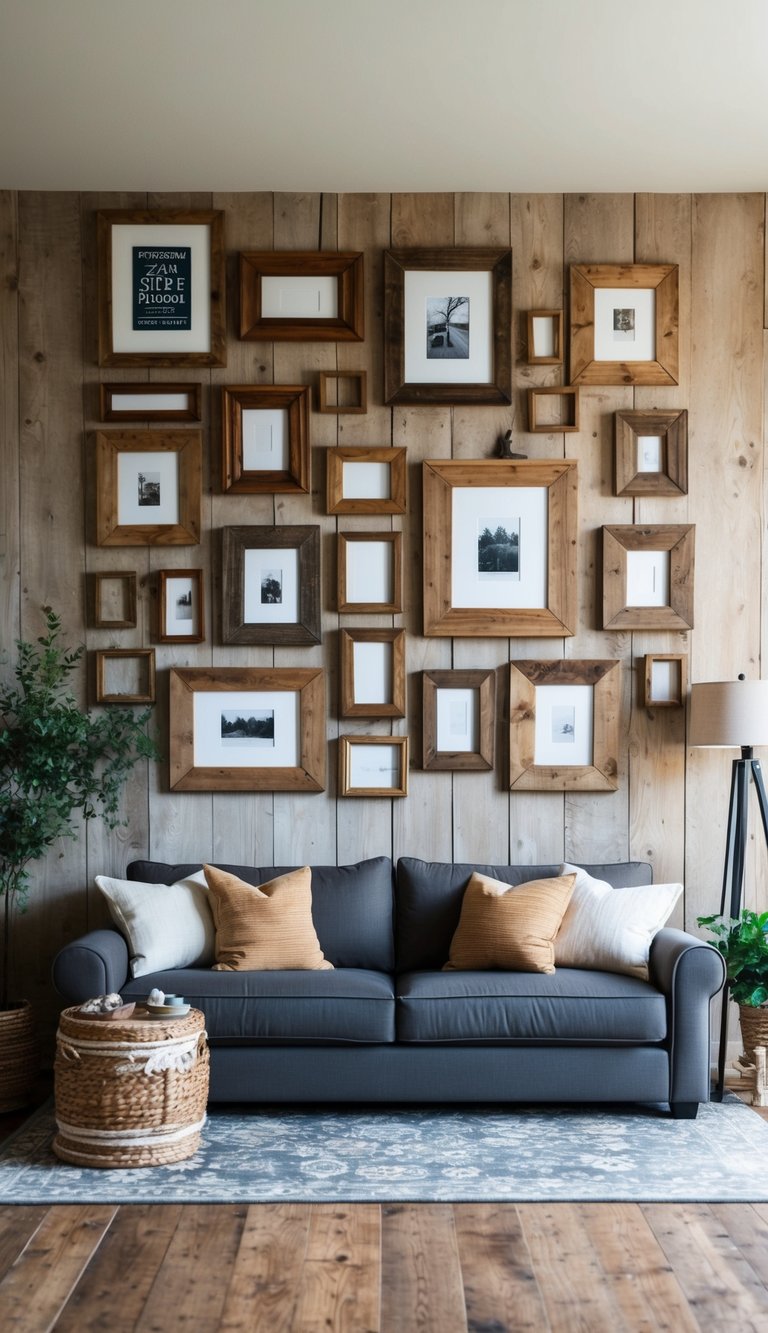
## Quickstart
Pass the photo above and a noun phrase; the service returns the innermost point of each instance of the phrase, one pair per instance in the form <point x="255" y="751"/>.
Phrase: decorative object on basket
<point x="107" y="1007"/>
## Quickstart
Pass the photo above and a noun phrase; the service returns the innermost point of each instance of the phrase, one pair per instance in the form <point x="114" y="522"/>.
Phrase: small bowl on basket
<point x="168" y="1010"/>
<point x="122" y="1011"/>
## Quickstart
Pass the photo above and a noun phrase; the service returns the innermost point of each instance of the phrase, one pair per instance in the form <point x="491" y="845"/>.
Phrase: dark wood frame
<point x="557" y="323"/>
<point x="570" y="394"/>
<point x="308" y="683"/>
<point x="105" y="655"/>
<point x="359" y="377"/>
<point x="108" y="393"/>
<point x="303" y="538"/>
<point x="672" y="479"/>
<point x="188" y="445"/>
<point x="648" y="699"/>
<point x="466" y="761"/>
<point x="336" y="457"/>
<point x="395" y="539"/>
<point x="346" y="745"/>
<point x="498" y="261"/>
<point x="130" y="580"/>
<point x="346" y="266"/>
<point x="347" y="640"/>
<point x="663" y="279"/>
<point x="603" y="773"/>
<point x="678" y="539"/>
<point x="163" y="575"/>
<point x="295" y="479"/>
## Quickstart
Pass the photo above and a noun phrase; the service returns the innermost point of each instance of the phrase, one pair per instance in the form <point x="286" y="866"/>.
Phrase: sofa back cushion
<point x="351" y="905"/>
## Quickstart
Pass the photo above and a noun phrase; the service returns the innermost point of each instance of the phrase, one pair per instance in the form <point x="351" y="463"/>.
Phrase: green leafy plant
<point x="743" y="942"/>
<point x="56" y="761"/>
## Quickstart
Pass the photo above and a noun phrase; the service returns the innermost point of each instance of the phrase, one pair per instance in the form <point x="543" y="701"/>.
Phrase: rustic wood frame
<point x="569" y="394"/>
<point x="602" y="773"/>
<point x="557" y="332"/>
<point x="357" y="377"/>
<point x="648" y="697"/>
<point x="129" y="580"/>
<point x="678" y="539"/>
<point x="163" y="577"/>
<point x="303" y="538"/>
<point x="664" y="280"/>
<point x="348" y="706"/>
<point x="214" y="220"/>
<point x="672" y="478"/>
<point x="467" y="761"/>
<point x="188" y="445"/>
<point x="235" y="478"/>
<point x="347" y="744"/>
<point x="109" y="412"/>
<point x="498" y="261"/>
<point x="336" y="458"/>
<point x="307" y="683"/>
<point x="395" y="539"/>
<point x="106" y="655"/>
<point x="558" y="617"/>
<point x="346" y="266"/>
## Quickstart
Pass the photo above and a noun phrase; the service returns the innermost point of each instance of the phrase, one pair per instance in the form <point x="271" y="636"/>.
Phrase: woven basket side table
<point x="130" y="1092"/>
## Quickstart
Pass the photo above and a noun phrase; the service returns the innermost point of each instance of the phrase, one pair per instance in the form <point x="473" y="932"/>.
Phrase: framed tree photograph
<point x="651" y="453"/>
<point x="270" y="585"/>
<point x="448" y="325"/>
<point x="301" y="296"/>
<point x="366" y="480"/>
<point x="125" y="676"/>
<point x="265" y="439"/>
<point x="372" y="672"/>
<point x="370" y="572"/>
<point x="665" y="680"/>
<point x="458" y="720"/>
<point x="648" y="576"/>
<point x="148" y="488"/>
<point x="150" y="402"/>
<point x="500" y="540"/>
<point x="162" y="288"/>
<point x="180" y="606"/>
<point x="624" y="324"/>
<point x="564" y="725"/>
<point x="247" y="729"/>
<point x="373" y="765"/>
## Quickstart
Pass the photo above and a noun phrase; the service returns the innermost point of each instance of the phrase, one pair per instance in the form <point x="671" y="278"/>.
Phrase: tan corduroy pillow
<point x="509" y="927"/>
<point x="264" y="928"/>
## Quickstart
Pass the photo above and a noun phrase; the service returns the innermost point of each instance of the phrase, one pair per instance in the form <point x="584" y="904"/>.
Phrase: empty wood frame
<point x="373" y="765"/>
<point x="624" y="324"/>
<point x="301" y="296"/>
<point x="651" y="453"/>
<point x="564" y="725"/>
<point x="370" y="572"/>
<point x="458" y="711"/>
<point x="372" y="672"/>
<point x="343" y="392"/>
<point x="265" y="439"/>
<point x="113" y="599"/>
<point x="553" y="410"/>
<point x="665" y="680"/>
<point x="148" y="488"/>
<point x="366" y="480"/>
<point x="125" y="676"/>
<point x="648" y="576"/>
<point x="500" y="542"/>
<point x="545" y="337"/>
<point x="180" y="606"/>
<point x="150" y="402"/>
<point x="270" y="585"/>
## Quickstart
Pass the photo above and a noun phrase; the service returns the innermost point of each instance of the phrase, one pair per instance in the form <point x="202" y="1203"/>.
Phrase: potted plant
<point x="743" y="942"/>
<point x="56" y="760"/>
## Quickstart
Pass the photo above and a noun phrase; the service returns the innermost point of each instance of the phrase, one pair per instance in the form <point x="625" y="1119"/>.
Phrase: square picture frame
<point x="646" y="324"/>
<point x="651" y="452"/>
<point x="458" y="720"/>
<point x="270" y="585"/>
<point x="162" y="287"/>
<point x="665" y="680"/>
<point x="109" y="662"/>
<point x="457" y="298"/>
<point x="372" y="672"/>
<point x="247" y="729"/>
<point x="566" y="401"/>
<point x="265" y="439"/>
<point x="157" y="474"/>
<point x="373" y="765"/>
<point x="123" y="599"/>
<point x="150" y="402"/>
<point x="370" y="561"/>
<point x="301" y="296"/>
<point x="366" y="480"/>
<point x="469" y="593"/>
<point x="180" y="606"/>
<point x="568" y="738"/>
<point x="648" y="574"/>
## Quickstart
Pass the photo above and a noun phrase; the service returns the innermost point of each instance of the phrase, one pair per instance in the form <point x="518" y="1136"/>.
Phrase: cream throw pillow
<point x="264" y="928"/>
<point x="509" y="926"/>
<point x="611" y="929"/>
<point x="165" y="925"/>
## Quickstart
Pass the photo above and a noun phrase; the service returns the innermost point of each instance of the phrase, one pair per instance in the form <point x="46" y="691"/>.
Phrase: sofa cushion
<point x="568" y="1005"/>
<point x="265" y="928"/>
<point x="168" y="926"/>
<point x="612" y="930"/>
<point x="509" y="927"/>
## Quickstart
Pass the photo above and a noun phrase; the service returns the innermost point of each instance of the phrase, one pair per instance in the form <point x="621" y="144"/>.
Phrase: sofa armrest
<point x="689" y="972"/>
<point x="96" y="964"/>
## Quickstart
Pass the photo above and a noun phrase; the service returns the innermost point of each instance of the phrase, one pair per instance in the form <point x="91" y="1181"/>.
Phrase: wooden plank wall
<point x="671" y="804"/>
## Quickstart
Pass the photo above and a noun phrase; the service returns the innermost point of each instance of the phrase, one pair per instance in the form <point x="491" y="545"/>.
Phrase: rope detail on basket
<point x="127" y="1138"/>
<point x="179" y="1054"/>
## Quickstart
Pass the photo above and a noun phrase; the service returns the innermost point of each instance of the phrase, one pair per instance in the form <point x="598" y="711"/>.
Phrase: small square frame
<point x="662" y="281"/>
<point x="357" y="379"/>
<point x="294" y="399"/>
<point x="483" y="683"/>
<point x="556" y="356"/>
<point x="351" y="686"/>
<point x="671" y="476"/>
<point x="537" y="399"/>
<point x="165" y="580"/>
<point x="346" y="540"/>
<point x="346" y="267"/>
<point x="121" y="402"/>
<point x="658" y="694"/>
<point x="618" y="542"/>
<point x="98" y="582"/>
<point x="525" y="678"/>
<point x="399" y="747"/>
<point x="145" y="659"/>
<point x="304" y="539"/>
<point x="187" y="445"/>
<point x="341" y="503"/>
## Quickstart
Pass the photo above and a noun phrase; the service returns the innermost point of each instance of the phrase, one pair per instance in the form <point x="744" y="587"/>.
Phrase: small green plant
<point x="743" y="942"/>
<point x="56" y="760"/>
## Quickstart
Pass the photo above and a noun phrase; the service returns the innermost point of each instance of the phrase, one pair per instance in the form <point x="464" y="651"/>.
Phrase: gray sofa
<point x="388" y="1025"/>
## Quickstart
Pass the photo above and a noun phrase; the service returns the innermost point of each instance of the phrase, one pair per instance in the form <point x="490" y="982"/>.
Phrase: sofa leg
<point x="684" y="1110"/>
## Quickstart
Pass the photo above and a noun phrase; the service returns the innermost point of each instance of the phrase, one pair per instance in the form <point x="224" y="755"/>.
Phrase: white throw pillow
<point x="611" y="929"/>
<point x="165" y="925"/>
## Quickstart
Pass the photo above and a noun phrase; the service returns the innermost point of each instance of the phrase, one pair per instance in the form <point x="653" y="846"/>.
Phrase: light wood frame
<point x="163" y="578"/>
<point x="495" y="260"/>
<point x="557" y="338"/>
<point x="395" y="540"/>
<point x="307" y="683"/>
<point x="106" y="655"/>
<point x="672" y="477"/>
<point x="602" y="773"/>
<point x="663" y="279"/>
<point x="347" y="745"/>
<point x="558" y="617"/>
<point x="346" y="266"/>
<point x="336" y="458"/>
<point x="678" y="701"/>
<point x="480" y="760"/>
<point x="213" y="219"/>
<point x="536" y="399"/>
<point x="305" y="540"/>
<point x="129" y="580"/>
<point x="393" y="707"/>
<point x="189" y="447"/>
<point x="235" y="478"/>
<point x="108" y="393"/>
<point x="676" y="538"/>
<point x="358" y="377"/>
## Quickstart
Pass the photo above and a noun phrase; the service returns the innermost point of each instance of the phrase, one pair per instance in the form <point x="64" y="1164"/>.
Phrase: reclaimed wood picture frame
<point x="301" y="296"/>
<point x="458" y="720"/>
<point x="343" y="392"/>
<point x="372" y="672"/>
<point x="648" y="576"/>
<point x="564" y="725"/>
<point x="370" y="572"/>
<point x="148" y="488"/>
<point x="651" y="452"/>
<point x="366" y="480"/>
<point x="665" y="680"/>
<point x="180" y="606"/>
<point x="544" y="338"/>
<point x="270" y="585"/>
<point x="544" y="403"/>
<point x="150" y="402"/>
<point x="373" y="765"/>
<point x="265" y="439"/>
<point x="113" y="599"/>
<point x="624" y="324"/>
<point x="125" y="675"/>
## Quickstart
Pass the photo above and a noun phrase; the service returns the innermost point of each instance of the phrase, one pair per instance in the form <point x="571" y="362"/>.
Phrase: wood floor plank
<point x="747" y="1227"/>
<point x="17" y="1225"/>
<point x="40" y="1282"/>
<point x="718" y="1282"/>
<point x="420" y="1272"/>
<point x="341" y="1278"/>
<point x="500" y="1291"/>
<point x="567" y="1268"/>
<point x="263" y="1290"/>
<point x="191" y="1284"/>
<point x="641" y="1278"/>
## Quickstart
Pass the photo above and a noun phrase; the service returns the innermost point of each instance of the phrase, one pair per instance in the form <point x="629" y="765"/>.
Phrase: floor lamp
<point x="733" y="714"/>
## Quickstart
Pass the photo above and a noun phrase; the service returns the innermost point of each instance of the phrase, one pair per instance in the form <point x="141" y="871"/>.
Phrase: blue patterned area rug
<point x="423" y="1155"/>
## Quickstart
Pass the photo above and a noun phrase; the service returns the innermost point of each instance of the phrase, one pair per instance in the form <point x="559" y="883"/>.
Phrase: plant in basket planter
<point x="743" y="942"/>
<point x="57" y="761"/>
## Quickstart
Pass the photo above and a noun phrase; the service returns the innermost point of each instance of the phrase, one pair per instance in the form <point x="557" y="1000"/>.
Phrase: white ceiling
<point x="341" y="95"/>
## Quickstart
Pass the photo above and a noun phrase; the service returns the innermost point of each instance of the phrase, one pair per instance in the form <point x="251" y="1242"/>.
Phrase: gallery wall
<point x="670" y="805"/>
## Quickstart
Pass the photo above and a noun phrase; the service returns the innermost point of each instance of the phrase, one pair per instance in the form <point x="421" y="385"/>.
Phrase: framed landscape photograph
<point x="125" y="676"/>
<point x="648" y="576"/>
<point x="265" y="439"/>
<point x="301" y="296"/>
<point x="624" y="324"/>
<point x="458" y="720"/>
<point x="366" y="480"/>
<point x="448" y="325"/>
<point x="270" y="585"/>
<point x="651" y="453"/>
<point x="161" y="288"/>
<point x="500" y="542"/>
<point x="372" y="672"/>
<point x="247" y="729"/>
<point x="180" y="610"/>
<point x="564" y="725"/>
<point x="150" y="402"/>
<point x="373" y="765"/>
<point x="370" y="572"/>
<point x="148" y="488"/>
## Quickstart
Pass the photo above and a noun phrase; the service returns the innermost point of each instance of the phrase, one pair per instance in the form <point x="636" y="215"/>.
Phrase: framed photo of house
<point x="247" y="729"/>
<point x="651" y="453"/>
<point x="125" y="676"/>
<point x="148" y="488"/>
<point x="500" y="540"/>
<point x="150" y="402"/>
<point x="113" y="599"/>
<point x="545" y="337"/>
<point x="372" y="672"/>
<point x="161" y="288"/>
<point x="180" y="606"/>
<point x="370" y="572"/>
<point x="458" y="720"/>
<point x="564" y="725"/>
<point x="624" y="324"/>
<point x="366" y="480"/>
<point x="301" y="296"/>
<point x="665" y="678"/>
<point x="373" y="765"/>
<point x="448" y="325"/>
<point x="270" y="585"/>
<point x="265" y="439"/>
<point x="648" y="576"/>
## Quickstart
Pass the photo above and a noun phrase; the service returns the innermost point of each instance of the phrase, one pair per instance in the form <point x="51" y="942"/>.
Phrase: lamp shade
<point x="729" y="712"/>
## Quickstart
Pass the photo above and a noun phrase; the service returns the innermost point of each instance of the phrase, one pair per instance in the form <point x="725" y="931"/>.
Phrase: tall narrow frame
<point x="292" y="399"/>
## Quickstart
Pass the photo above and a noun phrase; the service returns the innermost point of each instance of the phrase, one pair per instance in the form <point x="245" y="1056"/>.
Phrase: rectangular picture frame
<point x="285" y="410"/>
<point x="150" y="402"/>
<point x="651" y="452"/>
<point x="342" y="392"/>
<point x="544" y="330"/>
<point x="383" y="491"/>
<point x="180" y="606"/>
<point x="328" y="282"/>
<point x="581" y="711"/>
<point x="364" y="759"/>
<point x="144" y="660"/>
<point x="156" y="471"/>
<point x="372" y="674"/>
<point x="628" y="565"/>
<point x="377" y="563"/>
<point x="270" y="585"/>
<point x="665" y="680"/>
<point x="127" y="581"/>
<point x="654" y="318"/>
<point x="458" y="720"/>
<point x="539" y="422"/>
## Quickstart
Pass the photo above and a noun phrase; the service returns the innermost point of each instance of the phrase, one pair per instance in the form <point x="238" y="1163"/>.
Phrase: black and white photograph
<point x="447" y="328"/>
<point x="271" y="587"/>
<point x="623" y="324"/>
<point x="563" y="724"/>
<point x="184" y="605"/>
<point x="149" y="488"/>
<point x="498" y="548"/>
<point x="248" y="727"/>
